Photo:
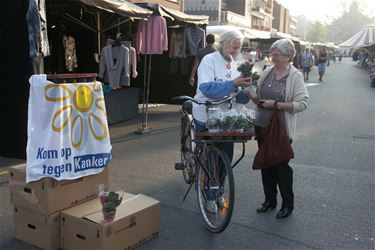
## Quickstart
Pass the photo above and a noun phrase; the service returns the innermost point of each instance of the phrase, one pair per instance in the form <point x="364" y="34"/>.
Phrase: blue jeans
<point x="322" y="67"/>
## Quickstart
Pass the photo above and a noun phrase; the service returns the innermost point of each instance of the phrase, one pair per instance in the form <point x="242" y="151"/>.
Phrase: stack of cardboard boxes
<point x="67" y="214"/>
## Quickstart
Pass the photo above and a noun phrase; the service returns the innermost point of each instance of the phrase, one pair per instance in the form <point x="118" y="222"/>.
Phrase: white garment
<point x="43" y="28"/>
<point x="213" y="67"/>
<point x="68" y="134"/>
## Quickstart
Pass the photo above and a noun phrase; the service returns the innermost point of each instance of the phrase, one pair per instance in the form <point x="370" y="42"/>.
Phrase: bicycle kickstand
<point x="191" y="184"/>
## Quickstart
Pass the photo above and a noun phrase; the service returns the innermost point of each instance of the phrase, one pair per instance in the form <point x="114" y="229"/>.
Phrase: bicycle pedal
<point x="179" y="166"/>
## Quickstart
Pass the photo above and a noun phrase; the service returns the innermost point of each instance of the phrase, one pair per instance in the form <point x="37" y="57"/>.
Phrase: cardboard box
<point x="37" y="229"/>
<point x="48" y="196"/>
<point x="137" y="220"/>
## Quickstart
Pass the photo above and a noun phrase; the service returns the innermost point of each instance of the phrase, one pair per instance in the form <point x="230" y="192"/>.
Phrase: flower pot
<point x="109" y="215"/>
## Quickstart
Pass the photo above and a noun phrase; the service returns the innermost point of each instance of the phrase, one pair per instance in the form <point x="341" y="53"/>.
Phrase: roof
<point x="120" y="7"/>
<point x="175" y="15"/>
<point x="363" y="37"/>
<point x="248" y="33"/>
<point x="276" y="34"/>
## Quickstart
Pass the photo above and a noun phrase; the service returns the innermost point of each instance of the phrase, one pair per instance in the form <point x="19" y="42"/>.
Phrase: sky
<point x="324" y="10"/>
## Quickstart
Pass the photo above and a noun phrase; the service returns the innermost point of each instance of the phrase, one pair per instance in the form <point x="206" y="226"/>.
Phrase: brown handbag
<point x="275" y="147"/>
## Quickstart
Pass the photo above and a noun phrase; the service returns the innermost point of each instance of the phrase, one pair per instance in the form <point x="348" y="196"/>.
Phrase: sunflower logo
<point x="78" y="114"/>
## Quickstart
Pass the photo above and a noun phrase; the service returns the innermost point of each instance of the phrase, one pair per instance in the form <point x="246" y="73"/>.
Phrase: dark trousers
<point x="280" y="175"/>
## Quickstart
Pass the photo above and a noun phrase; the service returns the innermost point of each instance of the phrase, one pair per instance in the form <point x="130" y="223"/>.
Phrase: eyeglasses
<point x="277" y="55"/>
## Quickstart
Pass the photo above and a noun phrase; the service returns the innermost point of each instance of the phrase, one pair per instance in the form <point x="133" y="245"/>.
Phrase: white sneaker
<point x="221" y="202"/>
<point x="211" y="206"/>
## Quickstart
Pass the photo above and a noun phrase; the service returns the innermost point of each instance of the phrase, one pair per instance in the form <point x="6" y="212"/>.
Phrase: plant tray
<point x="225" y="135"/>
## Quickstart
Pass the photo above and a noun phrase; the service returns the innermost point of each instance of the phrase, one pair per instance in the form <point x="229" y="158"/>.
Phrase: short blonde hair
<point x="229" y="37"/>
<point x="285" y="46"/>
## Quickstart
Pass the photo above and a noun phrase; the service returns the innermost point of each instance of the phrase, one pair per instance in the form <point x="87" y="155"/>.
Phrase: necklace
<point x="228" y="60"/>
<point x="273" y="78"/>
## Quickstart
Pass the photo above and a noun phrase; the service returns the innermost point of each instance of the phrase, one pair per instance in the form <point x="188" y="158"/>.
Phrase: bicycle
<point x="206" y="164"/>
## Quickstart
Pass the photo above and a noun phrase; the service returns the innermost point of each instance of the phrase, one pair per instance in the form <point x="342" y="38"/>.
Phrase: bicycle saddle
<point x="187" y="106"/>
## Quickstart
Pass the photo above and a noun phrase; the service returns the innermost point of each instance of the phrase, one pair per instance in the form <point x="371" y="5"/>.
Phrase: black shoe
<point x="284" y="212"/>
<point x="265" y="206"/>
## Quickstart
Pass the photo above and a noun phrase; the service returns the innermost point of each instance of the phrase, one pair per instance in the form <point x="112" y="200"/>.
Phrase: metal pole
<point x="143" y="127"/>
<point x="144" y="87"/>
<point x="304" y="31"/>
<point x="148" y="90"/>
<point x="98" y="29"/>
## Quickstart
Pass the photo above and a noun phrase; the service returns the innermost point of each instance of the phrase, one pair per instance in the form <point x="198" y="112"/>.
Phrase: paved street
<point x="333" y="176"/>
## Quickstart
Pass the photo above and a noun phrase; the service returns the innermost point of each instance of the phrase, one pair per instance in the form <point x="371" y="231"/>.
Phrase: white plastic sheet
<point x="68" y="135"/>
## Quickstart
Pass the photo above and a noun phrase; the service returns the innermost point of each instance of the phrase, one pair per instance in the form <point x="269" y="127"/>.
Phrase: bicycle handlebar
<point x="206" y="103"/>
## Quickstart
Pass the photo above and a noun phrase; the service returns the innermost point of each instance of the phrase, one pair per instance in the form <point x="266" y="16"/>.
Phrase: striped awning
<point x="363" y="37"/>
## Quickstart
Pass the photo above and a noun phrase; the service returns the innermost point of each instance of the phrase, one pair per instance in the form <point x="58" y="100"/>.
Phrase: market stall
<point x="79" y="31"/>
<point x="365" y="36"/>
<point x="167" y="50"/>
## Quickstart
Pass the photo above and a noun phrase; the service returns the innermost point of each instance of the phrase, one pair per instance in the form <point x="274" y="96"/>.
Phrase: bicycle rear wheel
<point x="215" y="188"/>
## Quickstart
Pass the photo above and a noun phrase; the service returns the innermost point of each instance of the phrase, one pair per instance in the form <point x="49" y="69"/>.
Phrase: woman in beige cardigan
<point x="281" y="83"/>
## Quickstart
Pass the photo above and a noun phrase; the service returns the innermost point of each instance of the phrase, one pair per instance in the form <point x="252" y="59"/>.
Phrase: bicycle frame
<point x="201" y="145"/>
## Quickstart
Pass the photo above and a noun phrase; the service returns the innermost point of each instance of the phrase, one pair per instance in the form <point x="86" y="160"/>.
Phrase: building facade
<point x="265" y="15"/>
<point x="262" y="15"/>
<point x="172" y="4"/>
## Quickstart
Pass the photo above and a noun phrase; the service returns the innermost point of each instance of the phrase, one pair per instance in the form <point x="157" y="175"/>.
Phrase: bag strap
<point x="275" y="109"/>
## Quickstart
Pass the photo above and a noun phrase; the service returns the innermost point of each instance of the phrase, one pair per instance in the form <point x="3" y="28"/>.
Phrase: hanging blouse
<point x="176" y="49"/>
<point x="194" y="39"/>
<point x="70" y="53"/>
<point x="33" y="26"/>
<point x="114" y="66"/>
<point x="152" y="36"/>
<point x="43" y="27"/>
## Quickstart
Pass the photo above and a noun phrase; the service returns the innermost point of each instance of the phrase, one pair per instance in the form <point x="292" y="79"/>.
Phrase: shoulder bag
<point x="275" y="147"/>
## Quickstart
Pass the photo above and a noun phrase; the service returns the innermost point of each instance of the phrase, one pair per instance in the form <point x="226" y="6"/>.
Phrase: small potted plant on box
<point x="110" y="201"/>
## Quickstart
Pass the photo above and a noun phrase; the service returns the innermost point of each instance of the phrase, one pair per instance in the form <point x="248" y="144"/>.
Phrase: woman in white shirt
<point x="218" y="77"/>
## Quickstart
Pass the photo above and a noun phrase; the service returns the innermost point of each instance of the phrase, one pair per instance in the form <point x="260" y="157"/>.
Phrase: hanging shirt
<point x="152" y="37"/>
<point x="114" y="66"/>
<point x="176" y="49"/>
<point x="33" y="27"/>
<point x="70" y="53"/>
<point x="194" y="39"/>
<point x="43" y="27"/>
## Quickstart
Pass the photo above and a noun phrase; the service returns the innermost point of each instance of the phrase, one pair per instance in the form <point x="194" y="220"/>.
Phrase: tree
<point x="348" y="24"/>
<point x="317" y="33"/>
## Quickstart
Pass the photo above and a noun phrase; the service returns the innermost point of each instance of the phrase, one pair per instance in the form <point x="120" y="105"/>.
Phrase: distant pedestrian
<point x="307" y="63"/>
<point x="210" y="41"/>
<point x="322" y="63"/>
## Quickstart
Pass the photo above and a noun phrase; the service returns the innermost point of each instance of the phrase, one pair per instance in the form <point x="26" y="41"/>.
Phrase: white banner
<point x="68" y="135"/>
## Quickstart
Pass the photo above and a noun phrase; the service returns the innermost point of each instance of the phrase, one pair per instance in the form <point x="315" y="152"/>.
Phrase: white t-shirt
<point x="213" y="68"/>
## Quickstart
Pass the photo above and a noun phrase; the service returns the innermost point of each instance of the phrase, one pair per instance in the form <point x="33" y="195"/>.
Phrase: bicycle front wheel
<point x="215" y="188"/>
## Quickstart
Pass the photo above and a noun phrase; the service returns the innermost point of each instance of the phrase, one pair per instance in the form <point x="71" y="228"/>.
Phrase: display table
<point x="122" y="104"/>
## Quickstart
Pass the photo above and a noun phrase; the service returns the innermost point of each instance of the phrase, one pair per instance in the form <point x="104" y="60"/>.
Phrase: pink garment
<point x="133" y="62"/>
<point x="152" y="37"/>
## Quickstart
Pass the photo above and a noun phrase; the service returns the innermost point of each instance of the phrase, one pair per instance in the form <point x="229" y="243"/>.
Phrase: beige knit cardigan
<point x="295" y="92"/>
